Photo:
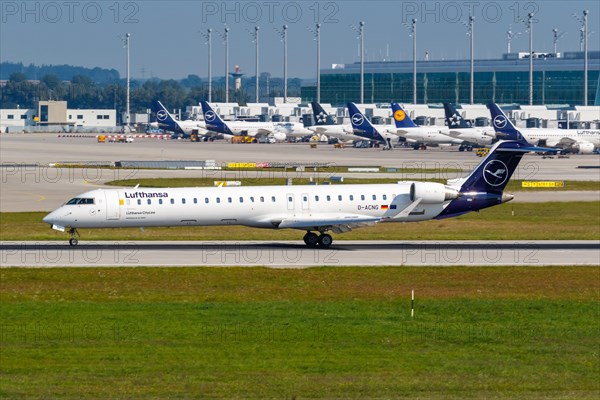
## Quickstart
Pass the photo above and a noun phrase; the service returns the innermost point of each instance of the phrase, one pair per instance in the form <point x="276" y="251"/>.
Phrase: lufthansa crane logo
<point x="161" y="115"/>
<point x="495" y="173"/>
<point x="399" y="115"/>
<point x="500" y="121"/>
<point x="209" y="116"/>
<point x="358" y="119"/>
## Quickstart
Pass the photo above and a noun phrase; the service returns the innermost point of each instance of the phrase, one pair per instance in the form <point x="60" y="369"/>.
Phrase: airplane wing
<point x="260" y="132"/>
<point x="318" y="129"/>
<point x="337" y="223"/>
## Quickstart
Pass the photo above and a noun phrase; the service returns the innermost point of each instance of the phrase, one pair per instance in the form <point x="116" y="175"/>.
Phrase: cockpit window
<point x="80" y="200"/>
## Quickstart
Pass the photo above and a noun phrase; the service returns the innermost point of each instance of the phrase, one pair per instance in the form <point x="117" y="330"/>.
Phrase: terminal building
<point x="54" y="116"/>
<point x="557" y="79"/>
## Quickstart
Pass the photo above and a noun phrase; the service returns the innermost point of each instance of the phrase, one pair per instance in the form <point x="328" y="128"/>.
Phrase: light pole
<point x="529" y="23"/>
<point x="208" y="37"/>
<point x="557" y="36"/>
<point x="413" y="33"/>
<point x="361" y="36"/>
<point x="585" y="58"/>
<point x="254" y="35"/>
<point x="471" y="34"/>
<point x="283" y="35"/>
<point x="127" y="42"/>
<point x="510" y="35"/>
<point x="584" y="40"/>
<point x="225" y="36"/>
<point x="317" y="33"/>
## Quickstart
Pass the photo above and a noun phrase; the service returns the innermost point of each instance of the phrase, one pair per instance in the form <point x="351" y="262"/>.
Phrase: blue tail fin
<point x="164" y="118"/>
<point x="321" y="116"/>
<point x="485" y="185"/>
<point x="212" y="120"/>
<point x="453" y="118"/>
<point x="502" y="125"/>
<point x="401" y="117"/>
<point x="494" y="171"/>
<point x="362" y="126"/>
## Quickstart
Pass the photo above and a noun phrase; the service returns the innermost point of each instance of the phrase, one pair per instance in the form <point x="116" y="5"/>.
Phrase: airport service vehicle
<point x="316" y="209"/>
<point x="583" y="141"/>
<point x="277" y="130"/>
<point x="421" y="136"/>
<point x="459" y="128"/>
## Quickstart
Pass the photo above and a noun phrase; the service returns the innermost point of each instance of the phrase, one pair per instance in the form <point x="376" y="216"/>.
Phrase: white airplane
<point x="421" y="135"/>
<point x="460" y="129"/>
<point x="583" y="141"/>
<point x="310" y="208"/>
<point x="164" y="120"/>
<point x="277" y="130"/>
<point x="324" y="125"/>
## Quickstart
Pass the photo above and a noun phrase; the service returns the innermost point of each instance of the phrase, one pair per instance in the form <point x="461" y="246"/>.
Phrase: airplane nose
<point x="47" y="219"/>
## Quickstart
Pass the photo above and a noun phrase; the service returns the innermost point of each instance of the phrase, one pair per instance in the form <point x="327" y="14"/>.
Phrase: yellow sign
<point x="542" y="184"/>
<point x="399" y="115"/>
<point x="241" y="165"/>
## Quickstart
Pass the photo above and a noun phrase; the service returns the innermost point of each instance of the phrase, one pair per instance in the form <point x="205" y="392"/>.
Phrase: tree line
<point x="81" y="91"/>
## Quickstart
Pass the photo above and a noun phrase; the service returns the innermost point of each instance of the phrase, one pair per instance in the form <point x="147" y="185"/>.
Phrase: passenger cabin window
<point x="273" y="199"/>
<point x="328" y="198"/>
<point x="262" y="199"/>
<point x="252" y="199"/>
<point x="139" y="202"/>
<point x="316" y="198"/>
<point x="241" y="199"/>
<point x="385" y="196"/>
<point x="351" y="198"/>
<point x="374" y="197"/>
<point x="362" y="196"/>
<point x="206" y="200"/>
<point x="340" y="197"/>
<point x="149" y="201"/>
<point x="229" y="200"/>
<point x="182" y="201"/>
<point x="218" y="200"/>
<point x="195" y="200"/>
<point x="159" y="201"/>
<point x="172" y="201"/>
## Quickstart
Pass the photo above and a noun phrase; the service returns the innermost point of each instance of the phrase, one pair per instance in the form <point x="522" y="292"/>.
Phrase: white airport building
<point x="54" y="116"/>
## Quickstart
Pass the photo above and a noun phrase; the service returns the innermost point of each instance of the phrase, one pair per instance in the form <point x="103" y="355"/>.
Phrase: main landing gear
<point x="74" y="235"/>
<point x="323" y="240"/>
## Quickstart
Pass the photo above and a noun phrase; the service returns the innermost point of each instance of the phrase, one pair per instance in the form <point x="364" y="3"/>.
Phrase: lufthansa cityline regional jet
<point x="310" y="208"/>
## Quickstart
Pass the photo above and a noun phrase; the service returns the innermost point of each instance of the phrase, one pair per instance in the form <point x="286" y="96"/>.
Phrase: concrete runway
<point x="294" y="254"/>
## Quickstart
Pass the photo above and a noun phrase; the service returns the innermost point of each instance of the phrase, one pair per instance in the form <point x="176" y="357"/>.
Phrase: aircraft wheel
<point x="325" y="240"/>
<point x="311" y="239"/>
<point x="73" y="242"/>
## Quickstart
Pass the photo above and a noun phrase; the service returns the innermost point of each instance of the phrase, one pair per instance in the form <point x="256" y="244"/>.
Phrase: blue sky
<point x="167" y="40"/>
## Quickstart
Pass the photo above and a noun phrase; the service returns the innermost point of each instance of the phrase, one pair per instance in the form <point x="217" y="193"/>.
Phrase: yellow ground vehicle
<point x="101" y="139"/>
<point x="482" y="152"/>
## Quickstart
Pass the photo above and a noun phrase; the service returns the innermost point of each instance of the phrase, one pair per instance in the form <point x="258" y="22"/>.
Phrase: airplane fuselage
<point x="260" y="207"/>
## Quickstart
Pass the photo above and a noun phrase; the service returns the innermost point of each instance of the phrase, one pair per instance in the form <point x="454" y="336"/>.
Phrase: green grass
<point x="316" y="333"/>
<point x="513" y="186"/>
<point x="531" y="221"/>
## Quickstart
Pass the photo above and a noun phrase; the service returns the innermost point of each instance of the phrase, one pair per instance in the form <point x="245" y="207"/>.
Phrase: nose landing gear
<point x="74" y="235"/>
